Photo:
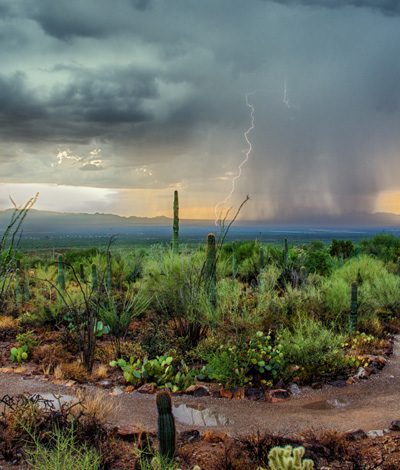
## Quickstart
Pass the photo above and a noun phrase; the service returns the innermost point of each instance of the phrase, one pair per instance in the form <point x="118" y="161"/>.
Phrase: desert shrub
<point x="175" y="285"/>
<point x="317" y="259"/>
<point x="342" y="248"/>
<point x="384" y="246"/>
<point x="62" y="452"/>
<point x="257" y="361"/>
<point x="315" y="349"/>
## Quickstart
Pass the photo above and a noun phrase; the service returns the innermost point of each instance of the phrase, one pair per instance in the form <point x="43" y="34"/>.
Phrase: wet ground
<point x="370" y="405"/>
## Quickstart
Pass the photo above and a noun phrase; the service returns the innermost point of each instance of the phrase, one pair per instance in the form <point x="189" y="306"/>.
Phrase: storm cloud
<point x="151" y="94"/>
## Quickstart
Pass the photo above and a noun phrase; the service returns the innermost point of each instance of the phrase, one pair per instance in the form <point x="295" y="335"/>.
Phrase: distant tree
<point x="342" y="248"/>
<point x="384" y="246"/>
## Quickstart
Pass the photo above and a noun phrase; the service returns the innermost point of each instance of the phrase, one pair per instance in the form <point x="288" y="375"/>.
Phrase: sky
<point x="110" y="106"/>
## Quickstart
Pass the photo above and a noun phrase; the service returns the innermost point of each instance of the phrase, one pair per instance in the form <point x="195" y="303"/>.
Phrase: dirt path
<point x="371" y="404"/>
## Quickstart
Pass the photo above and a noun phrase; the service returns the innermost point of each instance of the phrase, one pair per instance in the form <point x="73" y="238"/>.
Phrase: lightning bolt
<point x="286" y="101"/>
<point x="247" y="152"/>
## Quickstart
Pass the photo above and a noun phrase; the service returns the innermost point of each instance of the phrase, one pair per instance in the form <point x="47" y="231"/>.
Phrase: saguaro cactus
<point x="211" y="268"/>
<point x="95" y="284"/>
<point x="61" y="274"/>
<point x="175" y="226"/>
<point x="354" y="307"/>
<point x="166" y="425"/>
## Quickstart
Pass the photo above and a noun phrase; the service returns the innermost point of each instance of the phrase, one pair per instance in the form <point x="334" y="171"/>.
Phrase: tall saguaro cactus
<point x="175" y="226"/>
<point x="354" y="307"/>
<point x="211" y="269"/>
<point x="166" y="425"/>
<point x="61" y="275"/>
<point x="95" y="283"/>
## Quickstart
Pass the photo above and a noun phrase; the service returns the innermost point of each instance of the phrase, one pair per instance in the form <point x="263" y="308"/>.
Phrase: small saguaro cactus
<point x="81" y="273"/>
<point x="287" y="458"/>
<point x="61" y="275"/>
<point x="95" y="284"/>
<point x="286" y="252"/>
<point x="354" y="307"/>
<point x="166" y="425"/>
<point x="109" y="272"/>
<point x="210" y="269"/>
<point x="262" y="258"/>
<point x="175" y="226"/>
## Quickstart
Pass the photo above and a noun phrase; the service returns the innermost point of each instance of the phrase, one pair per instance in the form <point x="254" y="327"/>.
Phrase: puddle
<point x="332" y="404"/>
<point x="57" y="399"/>
<point x="199" y="415"/>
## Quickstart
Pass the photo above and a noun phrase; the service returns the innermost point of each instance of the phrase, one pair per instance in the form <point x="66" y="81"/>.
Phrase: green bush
<point x="315" y="349"/>
<point x="383" y="246"/>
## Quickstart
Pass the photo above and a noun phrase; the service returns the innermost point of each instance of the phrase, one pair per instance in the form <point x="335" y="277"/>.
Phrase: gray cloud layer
<point x="160" y="86"/>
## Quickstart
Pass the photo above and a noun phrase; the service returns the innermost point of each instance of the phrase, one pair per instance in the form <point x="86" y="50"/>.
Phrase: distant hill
<point x="46" y="222"/>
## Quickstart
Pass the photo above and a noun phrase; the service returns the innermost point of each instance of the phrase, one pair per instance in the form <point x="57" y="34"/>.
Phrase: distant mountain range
<point x="46" y="222"/>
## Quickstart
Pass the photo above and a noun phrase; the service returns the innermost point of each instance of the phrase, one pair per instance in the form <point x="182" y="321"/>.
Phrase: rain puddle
<point x="333" y="404"/>
<point x="57" y="400"/>
<point x="199" y="415"/>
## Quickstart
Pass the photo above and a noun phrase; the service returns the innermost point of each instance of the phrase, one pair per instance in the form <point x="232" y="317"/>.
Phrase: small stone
<point x="198" y="391"/>
<point x="215" y="436"/>
<point x="70" y="383"/>
<point x="294" y="389"/>
<point x="238" y="393"/>
<point x="188" y="437"/>
<point x="129" y="389"/>
<point x="316" y="385"/>
<point x="355" y="435"/>
<point x="276" y="396"/>
<point x="105" y="383"/>
<point x="130" y="433"/>
<point x="254" y="393"/>
<point x="147" y="388"/>
<point x="338" y="383"/>
<point x="376" y="433"/>
<point x="395" y="425"/>
<point x="362" y="373"/>
<point x="226" y="393"/>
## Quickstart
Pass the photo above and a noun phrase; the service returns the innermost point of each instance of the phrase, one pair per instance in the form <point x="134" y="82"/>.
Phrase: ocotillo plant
<point x="109" y="272"/>
<point x="166" y="425"/>
<point x="210" y="269"/>
<point x="95" y="284"/>
<point x="354" y="307"/>
<point x="61" y="275"/>
<point x="175" y="226"/>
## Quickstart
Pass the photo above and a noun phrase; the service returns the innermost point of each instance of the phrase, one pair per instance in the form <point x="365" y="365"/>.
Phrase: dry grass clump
<point x="8" y="323"/>
<point x="71" y="371"/>
<point x="100" y="371"/>
<point x="49" y="355"/>
<point x="97" y="404"/>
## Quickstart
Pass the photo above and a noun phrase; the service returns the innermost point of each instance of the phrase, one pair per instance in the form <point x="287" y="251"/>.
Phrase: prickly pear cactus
<point x="287" y="458"/>
<point x="166" y="425"/>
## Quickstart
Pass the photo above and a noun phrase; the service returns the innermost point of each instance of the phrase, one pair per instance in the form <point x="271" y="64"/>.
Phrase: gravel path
<point x="371" y="404"/>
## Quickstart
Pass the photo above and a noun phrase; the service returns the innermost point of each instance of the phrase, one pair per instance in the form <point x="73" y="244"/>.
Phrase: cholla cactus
<point x="287" y="458"/>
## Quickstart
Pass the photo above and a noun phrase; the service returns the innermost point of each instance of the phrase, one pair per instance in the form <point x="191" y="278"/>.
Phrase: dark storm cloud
<point x="163" y="83"/>
<point x="391" y="7"/>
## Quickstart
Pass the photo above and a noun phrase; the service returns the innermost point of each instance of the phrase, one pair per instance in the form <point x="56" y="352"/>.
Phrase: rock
<point x="276" y="396"/>
<point x="338" y="383"/>
<point x="376" y="433"/>
<point x="254" y="393"/>
<point x="362" y="373"/>
<point x="395" y="425"/>
<point x="147" y="388"/>
<point x="355" y="435"/>
<point x="70" y="383"/>
<point x="130" y="433"/>
<point x="129" y="389"/>
<point x="238" y="393"/>
<point x="226" y="393"/>
<point x="198" y="391"/>
<point x="294" y="389"/>
<point x="316" y="385"/>
<point x="351" y="380"/>
<point x="189" y="437"/>
<point x="105" y="383"/>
